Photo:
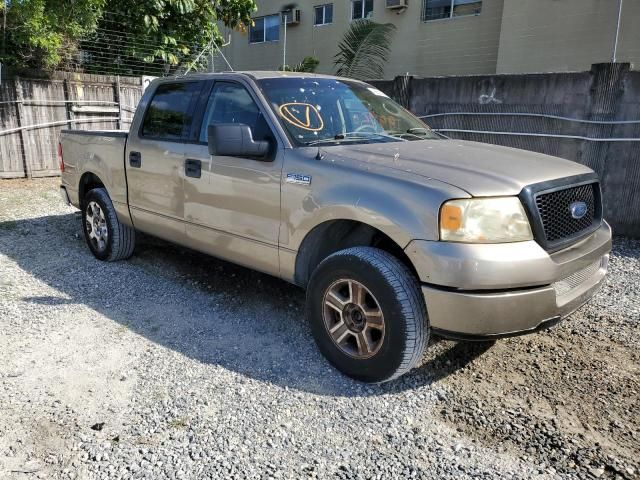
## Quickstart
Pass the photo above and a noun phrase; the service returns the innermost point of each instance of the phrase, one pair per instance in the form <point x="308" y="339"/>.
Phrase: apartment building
<point x="445" y="37"/>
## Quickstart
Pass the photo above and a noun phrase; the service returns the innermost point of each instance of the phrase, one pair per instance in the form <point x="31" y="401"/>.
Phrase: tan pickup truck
<point x="394" y="231"/>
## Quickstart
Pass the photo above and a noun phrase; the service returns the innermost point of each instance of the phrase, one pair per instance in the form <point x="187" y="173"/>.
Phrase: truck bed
<point x="100" y="152"/>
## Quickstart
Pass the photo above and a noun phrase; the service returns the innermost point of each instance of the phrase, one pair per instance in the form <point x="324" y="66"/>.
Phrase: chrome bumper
<point x="492" y="297"/>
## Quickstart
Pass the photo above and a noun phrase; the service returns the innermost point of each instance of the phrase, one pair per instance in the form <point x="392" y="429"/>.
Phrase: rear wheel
<point x="367" y="314"/>
<point x="107" y="238"/>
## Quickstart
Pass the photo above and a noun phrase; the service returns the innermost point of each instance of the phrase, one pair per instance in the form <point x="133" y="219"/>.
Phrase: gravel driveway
<point x="177" y="365"/>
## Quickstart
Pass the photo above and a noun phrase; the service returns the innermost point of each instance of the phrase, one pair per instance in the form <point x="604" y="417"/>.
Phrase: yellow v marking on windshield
<point x="292" y="115"/>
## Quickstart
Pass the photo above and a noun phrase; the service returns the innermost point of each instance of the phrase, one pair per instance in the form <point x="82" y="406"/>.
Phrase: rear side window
<point x="169" y="116"/>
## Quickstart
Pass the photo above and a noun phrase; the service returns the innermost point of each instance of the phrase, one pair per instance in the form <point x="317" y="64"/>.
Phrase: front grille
<point x="566" y="285"/>
<point x="555" y="212"/>
<point x="549" y="207"/>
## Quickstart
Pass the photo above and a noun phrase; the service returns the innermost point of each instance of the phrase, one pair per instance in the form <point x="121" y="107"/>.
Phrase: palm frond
<point x="308" y="65"/>
<point x="364" y="50"/>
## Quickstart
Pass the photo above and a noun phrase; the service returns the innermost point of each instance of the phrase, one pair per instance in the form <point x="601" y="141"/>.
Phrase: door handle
<point x="193" y="168"/>
<point x="135" y="159"/>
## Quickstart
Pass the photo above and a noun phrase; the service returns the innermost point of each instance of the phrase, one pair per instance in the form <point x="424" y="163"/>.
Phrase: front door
<point x="154" y="161"/>
<point x="232" y="205"/>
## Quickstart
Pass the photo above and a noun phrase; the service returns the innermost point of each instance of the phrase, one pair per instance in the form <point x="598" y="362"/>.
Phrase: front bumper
<point x="490" y="291"/>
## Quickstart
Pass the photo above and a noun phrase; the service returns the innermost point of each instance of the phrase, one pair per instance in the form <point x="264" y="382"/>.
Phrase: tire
<point x="119" y="241"/>
<point x="391" y="349"/>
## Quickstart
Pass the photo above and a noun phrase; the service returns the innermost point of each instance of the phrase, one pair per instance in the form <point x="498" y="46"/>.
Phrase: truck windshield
<point x="317" y="111"/>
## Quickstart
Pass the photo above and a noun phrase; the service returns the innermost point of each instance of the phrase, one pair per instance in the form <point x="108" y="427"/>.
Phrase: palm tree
<point x="307" y="65"/>
<point x="364" y="50"/>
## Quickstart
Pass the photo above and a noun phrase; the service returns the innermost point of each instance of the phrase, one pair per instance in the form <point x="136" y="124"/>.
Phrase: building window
<point x="361" y="9"/>
<point x="324" y="14"/>
<point x="439" y="9"/>
<point x="265" y="29"/>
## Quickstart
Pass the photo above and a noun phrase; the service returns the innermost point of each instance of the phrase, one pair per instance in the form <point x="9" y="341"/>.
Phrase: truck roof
<point x="255" y="75"/>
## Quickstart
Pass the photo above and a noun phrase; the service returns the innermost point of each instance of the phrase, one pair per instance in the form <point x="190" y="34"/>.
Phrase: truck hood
<point x="478" y="168"/>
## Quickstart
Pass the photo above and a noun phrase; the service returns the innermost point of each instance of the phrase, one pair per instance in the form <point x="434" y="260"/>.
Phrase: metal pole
<point x="120" y="115"/>
<point x="615" y="44"/>
<point x="4" y="27"/>
<point x="222" y="54"/>
<point x="212" y="67"/>
<point x="284" y="50"/>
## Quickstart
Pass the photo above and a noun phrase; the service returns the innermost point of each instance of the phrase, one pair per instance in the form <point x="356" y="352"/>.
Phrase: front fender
<point x="390" y="215"/>
<point x="401" y="205"/>
<point x="404" y="209"/>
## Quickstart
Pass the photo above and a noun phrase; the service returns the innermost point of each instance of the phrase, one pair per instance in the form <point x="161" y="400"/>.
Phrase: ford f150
<point x="394" y="231"/>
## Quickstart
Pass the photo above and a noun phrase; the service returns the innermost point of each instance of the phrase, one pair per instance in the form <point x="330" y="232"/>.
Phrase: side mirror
<point x="234" y="140"/>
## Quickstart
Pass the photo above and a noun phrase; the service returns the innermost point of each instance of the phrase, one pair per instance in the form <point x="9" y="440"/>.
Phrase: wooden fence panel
<point x="38" y="108"/>
<point x="129" y="97"/>
<point x="11" y="158"/>
<point x="42" y="141"/>
<point x="92" y="92"/>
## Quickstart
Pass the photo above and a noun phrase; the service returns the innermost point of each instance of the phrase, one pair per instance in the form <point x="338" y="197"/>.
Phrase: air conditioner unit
<point x="291" y="17"/>
<point x="396" y="4"/>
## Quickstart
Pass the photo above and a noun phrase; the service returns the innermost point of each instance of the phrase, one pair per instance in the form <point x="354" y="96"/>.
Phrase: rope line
<point x="542" y="115"/>
<point x="546" y="135"/>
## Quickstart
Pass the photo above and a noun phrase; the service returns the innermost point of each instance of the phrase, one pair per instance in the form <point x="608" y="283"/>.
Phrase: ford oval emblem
<point x="578" y="210"/>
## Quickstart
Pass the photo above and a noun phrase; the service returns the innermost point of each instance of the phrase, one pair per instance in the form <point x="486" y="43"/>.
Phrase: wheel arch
<point x="88" y="181"/>
<point x="334" y="235"/>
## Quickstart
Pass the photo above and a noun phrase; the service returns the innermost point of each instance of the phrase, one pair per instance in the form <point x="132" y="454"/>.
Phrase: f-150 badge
<point x="298" y="179"/>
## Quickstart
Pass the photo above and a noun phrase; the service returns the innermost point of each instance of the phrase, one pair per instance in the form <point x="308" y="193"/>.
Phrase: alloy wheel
<point x="96" y="225"/>
<point x="353" y="318"/>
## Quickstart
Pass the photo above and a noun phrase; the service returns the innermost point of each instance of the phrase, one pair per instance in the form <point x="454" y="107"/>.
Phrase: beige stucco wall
<point x="509" y="36"/>
<point x="566" y="35"/>
<point x="461" y="45"/>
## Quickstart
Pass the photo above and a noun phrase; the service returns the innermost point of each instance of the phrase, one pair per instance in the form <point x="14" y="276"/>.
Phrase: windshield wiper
<point x="352" y="137"/>
<point x="332" y="140"/>
<point x="408" y="133"/>
<point x="426" y="130"/>
<point x="413" y="133"/>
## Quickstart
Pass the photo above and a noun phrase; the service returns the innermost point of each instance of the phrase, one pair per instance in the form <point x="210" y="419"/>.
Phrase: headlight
<point x="484" y="220"/>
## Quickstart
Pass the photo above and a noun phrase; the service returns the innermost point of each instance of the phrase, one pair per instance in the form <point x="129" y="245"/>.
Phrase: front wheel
<point x="368" y="314"/>
<point x="107" y="238"/>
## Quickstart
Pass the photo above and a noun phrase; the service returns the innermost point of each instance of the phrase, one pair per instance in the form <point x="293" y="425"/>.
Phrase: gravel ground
<point x="177" y="365"/>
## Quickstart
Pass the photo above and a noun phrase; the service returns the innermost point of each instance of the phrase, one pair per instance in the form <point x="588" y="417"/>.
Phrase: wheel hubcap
<point x="96" y="225"/>
<point x="353" y="318"/>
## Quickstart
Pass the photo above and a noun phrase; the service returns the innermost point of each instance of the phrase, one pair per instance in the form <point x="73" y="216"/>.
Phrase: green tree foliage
<point x="44" y="33"/>
<point x="364" y="50"/>
<point x="308" y="65"/>
<point x="162" y="36"/>
<point x="115" y="36"/>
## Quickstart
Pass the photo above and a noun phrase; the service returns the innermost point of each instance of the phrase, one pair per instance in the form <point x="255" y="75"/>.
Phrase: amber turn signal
<point x="451" y="217"/>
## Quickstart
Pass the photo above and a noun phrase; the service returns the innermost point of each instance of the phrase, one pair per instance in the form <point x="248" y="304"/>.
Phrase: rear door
<point x="232" y="205"/>
<point x="155" y="157"/>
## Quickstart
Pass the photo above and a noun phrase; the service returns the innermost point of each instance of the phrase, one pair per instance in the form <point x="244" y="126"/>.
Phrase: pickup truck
<point x="394" y="231"/>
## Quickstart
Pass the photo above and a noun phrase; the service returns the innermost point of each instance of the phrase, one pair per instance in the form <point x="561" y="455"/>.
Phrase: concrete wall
<point x="460" y="45"/>
<point x="485" y="103"/>
<point x="566" y="35"/>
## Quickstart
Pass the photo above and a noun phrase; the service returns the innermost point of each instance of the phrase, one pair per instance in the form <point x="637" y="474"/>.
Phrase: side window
<point x="232" y="103"/>
<point x="439" y="9"/>
<point x="361" y="9"/>
<point x="265" y="29"/>
<point x="323" y="14"/>
<point x="168" y="115"/>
